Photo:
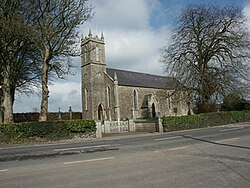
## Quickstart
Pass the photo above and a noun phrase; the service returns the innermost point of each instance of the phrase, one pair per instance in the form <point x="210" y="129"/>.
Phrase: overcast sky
<point x="134" y="32"/>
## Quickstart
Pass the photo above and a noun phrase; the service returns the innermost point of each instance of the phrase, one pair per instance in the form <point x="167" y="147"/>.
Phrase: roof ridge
<point x="141" y="73"/>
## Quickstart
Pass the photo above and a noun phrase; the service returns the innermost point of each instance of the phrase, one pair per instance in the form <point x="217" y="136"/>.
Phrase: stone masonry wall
<point x="160" y="101"/>
<point x="52" y="116"/>
<point x="109" y="108"/>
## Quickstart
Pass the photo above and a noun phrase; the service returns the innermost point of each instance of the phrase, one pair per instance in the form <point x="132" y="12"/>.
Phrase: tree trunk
<point x="7" y="99"/>
<point x="45" y="92"/>
<point x="1" y="105"/>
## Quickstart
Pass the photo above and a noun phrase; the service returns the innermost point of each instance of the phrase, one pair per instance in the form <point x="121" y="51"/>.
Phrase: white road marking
<point x="86" y="147"/>
<point x="187" y="135"/>
<point x="233" y="129"/>
<point x="90" y="160"/>
<point x="184" y="147"/>
<point x="168" y="138"/>
<point x="5" y="170"/>
<point x="226" y="140"/>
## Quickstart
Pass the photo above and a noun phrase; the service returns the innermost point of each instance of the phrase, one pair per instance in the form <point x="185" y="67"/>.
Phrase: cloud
<point x="131" y="41"/>
<point x="246" y="13"/>
<point x="24" y="103"/>
<point x="123" y="14"/>
<point x="62" y="95"/>
<point x="137" y="50"/>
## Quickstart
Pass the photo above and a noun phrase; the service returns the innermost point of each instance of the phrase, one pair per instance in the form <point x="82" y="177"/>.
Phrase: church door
<point x="153" y="110"/>
<point x="100" y="112"/>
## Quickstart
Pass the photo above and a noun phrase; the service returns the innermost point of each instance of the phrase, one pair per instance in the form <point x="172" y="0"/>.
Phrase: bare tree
<point x="1" y="96"/>
<point x="17" y="54"/>
<point x="57" y="22"/>
<point x="209" y="52"/>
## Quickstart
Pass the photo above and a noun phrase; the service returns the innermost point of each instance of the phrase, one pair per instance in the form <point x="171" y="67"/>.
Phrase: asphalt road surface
<point x="209" y="157"/>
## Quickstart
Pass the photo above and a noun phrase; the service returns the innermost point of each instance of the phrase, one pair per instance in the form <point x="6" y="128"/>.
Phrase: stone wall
<point x="109" y="104"/>
<point x="93" y="77"/>
<point x="113" y="127"/>
<point x="52" y="116"/>
<point x="145" y="127"/>
<point x="146" y="97"/>
<point x="126" y="102"/>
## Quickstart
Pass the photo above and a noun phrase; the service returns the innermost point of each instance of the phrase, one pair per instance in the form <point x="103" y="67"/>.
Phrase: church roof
<point x="136" y="79"/>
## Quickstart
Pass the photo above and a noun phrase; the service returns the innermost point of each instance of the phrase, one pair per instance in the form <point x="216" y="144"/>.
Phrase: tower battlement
<point x="92" y="38"/>
<point x="93" y="49"/>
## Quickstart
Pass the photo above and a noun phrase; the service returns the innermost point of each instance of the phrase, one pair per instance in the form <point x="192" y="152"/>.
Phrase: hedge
<point x="204" y="120"/>
<point x="54" y="130"/>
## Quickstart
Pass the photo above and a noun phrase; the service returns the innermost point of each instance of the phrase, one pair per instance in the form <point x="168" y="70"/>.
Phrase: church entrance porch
<point x="151" y="105"/>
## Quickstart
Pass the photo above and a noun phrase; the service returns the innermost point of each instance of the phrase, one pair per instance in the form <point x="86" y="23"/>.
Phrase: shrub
<point x="49" y="130"/>
<point x="81" y="126"/>
<point x="204" y="120"/>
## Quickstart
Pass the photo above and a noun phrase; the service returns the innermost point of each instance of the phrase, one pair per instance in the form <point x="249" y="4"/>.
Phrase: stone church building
<point x="113" y="94"/>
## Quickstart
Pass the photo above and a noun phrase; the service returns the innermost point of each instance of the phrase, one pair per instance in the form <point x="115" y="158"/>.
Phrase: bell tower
<point x="93" y="50"/>
<point x="93" y="82"/>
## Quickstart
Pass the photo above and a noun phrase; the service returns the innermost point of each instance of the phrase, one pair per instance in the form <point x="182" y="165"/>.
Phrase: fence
<point x="117" y="126"/>
<point x="107" y="127"/>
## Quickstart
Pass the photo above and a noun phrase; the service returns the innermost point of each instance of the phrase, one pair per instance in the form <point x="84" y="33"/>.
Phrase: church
<point x="113" y="94"/>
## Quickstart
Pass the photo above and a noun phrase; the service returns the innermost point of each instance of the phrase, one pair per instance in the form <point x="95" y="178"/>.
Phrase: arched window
<point x="97" y="53"/>
<point x="86" y="98"/>
<point x="108" y="96"/>
<point x="135" y="100"/>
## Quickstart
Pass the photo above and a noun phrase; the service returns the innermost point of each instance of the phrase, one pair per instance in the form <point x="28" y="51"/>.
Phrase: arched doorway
<point x="153" y="110"/>
<point x="100" y="112"/>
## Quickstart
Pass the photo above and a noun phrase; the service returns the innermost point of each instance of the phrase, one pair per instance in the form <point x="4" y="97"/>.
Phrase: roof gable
<point x="136" y="79"/>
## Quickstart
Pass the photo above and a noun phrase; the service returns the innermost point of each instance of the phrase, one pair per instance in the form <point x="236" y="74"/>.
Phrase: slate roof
<point x="136" y="79"/>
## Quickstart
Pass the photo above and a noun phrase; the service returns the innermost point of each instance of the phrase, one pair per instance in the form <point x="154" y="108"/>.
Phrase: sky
<point x="135" y="31"/>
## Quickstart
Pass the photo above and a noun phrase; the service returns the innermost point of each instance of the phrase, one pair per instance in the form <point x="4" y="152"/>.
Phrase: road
<point x="209" y="157"/>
